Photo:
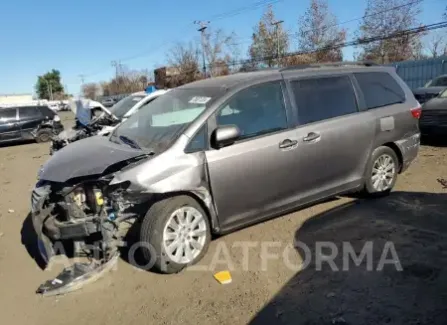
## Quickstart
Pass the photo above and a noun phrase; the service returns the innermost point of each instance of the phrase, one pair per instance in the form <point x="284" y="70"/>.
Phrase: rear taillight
<point x="416" y="112"/>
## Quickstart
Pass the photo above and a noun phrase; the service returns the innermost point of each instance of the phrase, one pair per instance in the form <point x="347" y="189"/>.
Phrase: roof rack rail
<point x="330" y="64"/>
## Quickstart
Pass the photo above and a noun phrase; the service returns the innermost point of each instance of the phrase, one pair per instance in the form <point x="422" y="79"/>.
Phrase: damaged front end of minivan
<point x="88" y="196"/>
<point x="86" y="219"/>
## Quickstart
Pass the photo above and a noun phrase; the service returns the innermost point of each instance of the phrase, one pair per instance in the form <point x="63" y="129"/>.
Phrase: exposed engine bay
<point x="80" y="131"/>
<point x="84" y="220"/>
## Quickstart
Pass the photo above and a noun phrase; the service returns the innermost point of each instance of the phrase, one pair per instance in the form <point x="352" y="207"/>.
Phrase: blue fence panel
<point x="417" y="73"/>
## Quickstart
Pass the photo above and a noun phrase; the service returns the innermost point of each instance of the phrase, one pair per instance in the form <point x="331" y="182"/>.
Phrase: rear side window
<point x="323" y="98"/>
<point x="379" y="89"/>
<point x="29" y="112"/>
<point x="7" y="114"/>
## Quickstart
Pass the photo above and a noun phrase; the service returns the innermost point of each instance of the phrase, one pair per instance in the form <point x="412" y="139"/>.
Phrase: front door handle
<point x="287" y="143"/>
<point x="312" y="136"/>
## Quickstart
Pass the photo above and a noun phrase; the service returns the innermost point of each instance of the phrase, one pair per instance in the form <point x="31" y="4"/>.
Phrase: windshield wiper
<point x="129" y="141"/>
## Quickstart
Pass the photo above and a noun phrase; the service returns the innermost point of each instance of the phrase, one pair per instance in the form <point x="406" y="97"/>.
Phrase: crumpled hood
<point x="90" y="156"/>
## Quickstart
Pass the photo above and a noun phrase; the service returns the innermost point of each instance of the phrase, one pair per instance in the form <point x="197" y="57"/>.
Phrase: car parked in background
<point x="108" y="102"/>
<point x="431" y="90"/>
<point x="104" y="120"/>
<point x="433" y="122"/>
<point x="28" y="122"/>
<point x="129" y="105"/>
<point x="219" y="154"/>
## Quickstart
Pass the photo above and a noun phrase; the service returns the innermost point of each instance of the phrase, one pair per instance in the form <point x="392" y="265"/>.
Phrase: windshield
<point x="157" y="125"/>
<point x="437" y="82"/>
<point x="125" y="104"/>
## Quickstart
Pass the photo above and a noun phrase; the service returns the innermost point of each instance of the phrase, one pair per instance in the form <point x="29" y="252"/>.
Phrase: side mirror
<point x="224" y="136"/>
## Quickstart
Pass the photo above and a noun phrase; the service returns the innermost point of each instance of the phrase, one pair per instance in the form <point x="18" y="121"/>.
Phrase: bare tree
<point x="128" y="81"/>
<point x="437" y="45"/>
<point x="387" y="17"/>
<point x="220" y="49"/>
<point x="90" y="90"/>
<point x="319" y="33"/>
<point x="267" y="40"/>
<point x="184" y="64"/>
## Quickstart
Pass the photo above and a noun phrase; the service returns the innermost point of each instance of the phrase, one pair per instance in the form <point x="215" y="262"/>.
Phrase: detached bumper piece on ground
<point x="75" y="277"/>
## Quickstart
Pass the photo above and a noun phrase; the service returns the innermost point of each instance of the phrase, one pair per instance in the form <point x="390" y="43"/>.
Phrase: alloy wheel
<point x="184" y="235"/>
<point x="383" y="173"/>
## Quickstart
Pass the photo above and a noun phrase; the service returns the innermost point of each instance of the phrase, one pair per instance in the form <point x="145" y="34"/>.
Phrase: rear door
<point x="9" y="126"/>
<point x="30" y="118"/>
<point x="334" y="136"/>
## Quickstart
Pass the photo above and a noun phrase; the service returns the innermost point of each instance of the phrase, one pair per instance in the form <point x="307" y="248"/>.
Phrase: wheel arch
<point x="397" y="151"/>
<point x="201" y="200"/>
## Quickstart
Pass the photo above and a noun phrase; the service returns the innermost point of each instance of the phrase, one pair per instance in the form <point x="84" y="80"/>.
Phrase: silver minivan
<point x="219" y="154"/>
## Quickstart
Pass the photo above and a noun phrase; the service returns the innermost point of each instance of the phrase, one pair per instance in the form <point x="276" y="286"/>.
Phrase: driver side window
<point x="256" y="110"/>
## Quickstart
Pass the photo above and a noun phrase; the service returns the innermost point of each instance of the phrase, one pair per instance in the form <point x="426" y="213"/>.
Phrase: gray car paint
<point x="85" y="157"/>
<point x="255" y="179"/>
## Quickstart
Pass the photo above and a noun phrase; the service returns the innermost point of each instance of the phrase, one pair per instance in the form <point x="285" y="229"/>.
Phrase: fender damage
<point x="89" y="214"/>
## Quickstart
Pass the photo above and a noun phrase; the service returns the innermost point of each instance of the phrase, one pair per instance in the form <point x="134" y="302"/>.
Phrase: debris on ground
<point x="330" y="295"/>
<point x="10" y="211"/>
<point x="443" y="182"/>
<point x="75" y="277"/>
<point x="223" y="277"/>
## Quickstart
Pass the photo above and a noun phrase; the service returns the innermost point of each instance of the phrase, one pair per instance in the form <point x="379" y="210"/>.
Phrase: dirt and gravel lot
<point x="263" y="291"/>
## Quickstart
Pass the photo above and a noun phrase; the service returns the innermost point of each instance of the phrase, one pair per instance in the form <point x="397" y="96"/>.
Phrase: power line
<point x="231" y="13"/>
<point x="355" y="42"/>
<point x="240" y="10"/>
<point x="248" y="39"/>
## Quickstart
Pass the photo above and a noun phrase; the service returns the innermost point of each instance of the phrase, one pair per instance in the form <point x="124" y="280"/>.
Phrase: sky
<point x="83" y="37"/>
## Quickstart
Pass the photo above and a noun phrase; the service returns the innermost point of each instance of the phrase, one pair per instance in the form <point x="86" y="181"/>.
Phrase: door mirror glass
<point x="225" y="135"/>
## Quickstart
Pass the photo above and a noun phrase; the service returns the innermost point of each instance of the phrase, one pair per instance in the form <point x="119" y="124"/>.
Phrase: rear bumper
<point x="409" y="147"/>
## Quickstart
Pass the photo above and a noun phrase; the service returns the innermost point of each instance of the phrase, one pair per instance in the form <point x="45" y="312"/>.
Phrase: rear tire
<point x="381" y="172"/>
<point x="175" y="233"/>
<point x="43" y="135"/>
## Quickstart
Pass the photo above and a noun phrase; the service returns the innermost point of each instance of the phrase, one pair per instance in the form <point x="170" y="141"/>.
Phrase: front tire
<point x="43" y="135"/>
<point x="381" y="172"/>
<point x="176" y="233"/>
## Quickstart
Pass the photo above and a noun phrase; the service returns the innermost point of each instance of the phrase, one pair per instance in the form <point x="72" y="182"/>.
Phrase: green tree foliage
<point x="318" y="30"/>
<point x="49" y="82"/>
<point x="265" y="40"/>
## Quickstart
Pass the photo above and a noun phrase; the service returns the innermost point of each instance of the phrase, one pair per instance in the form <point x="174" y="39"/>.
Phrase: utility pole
<point x="278" y="52"/>
<point x="82" y="78"/>
<point x="203" y="25"/>
<point x="117" y="66"/>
